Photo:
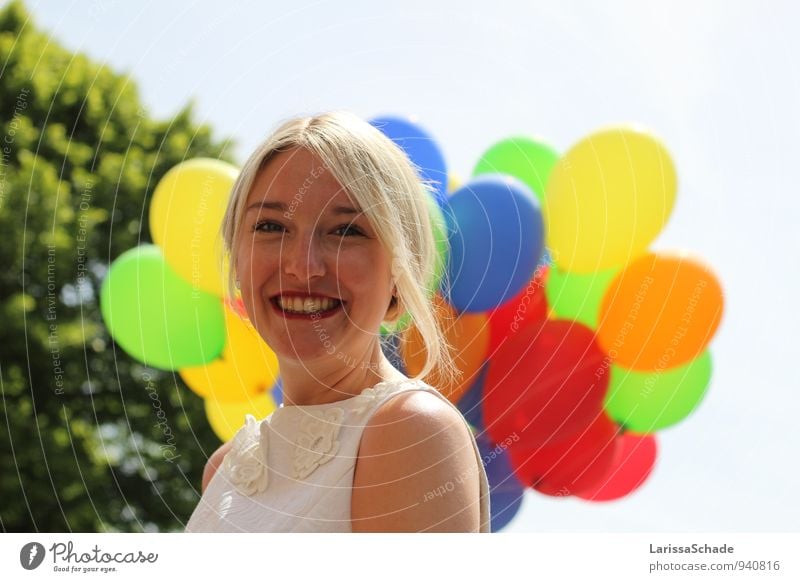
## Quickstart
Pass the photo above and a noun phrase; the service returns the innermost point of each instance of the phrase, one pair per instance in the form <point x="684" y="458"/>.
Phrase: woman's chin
<point x="305" y="352"/>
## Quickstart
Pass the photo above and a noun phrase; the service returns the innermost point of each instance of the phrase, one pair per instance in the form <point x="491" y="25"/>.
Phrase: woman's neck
<point x="335" y="380"/>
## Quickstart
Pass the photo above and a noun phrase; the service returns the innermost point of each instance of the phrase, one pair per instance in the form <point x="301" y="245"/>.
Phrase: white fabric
<point x="306" y="483"/>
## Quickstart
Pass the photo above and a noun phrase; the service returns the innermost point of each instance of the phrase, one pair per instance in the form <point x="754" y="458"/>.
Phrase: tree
<point x="92" y="441"/>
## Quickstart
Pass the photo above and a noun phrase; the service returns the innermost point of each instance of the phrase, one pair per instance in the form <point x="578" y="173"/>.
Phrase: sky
<point x="715" y="81"/>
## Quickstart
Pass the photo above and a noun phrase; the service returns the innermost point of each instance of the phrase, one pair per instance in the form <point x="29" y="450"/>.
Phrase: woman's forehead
<point x="295" y="160"/>
<point x="296" y="178"/>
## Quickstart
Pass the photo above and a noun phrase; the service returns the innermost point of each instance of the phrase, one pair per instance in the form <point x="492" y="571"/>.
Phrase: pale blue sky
<point x="715" y="80"/>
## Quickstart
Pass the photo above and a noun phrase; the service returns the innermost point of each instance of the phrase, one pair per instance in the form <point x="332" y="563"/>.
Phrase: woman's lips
<point x="307" y="316"/>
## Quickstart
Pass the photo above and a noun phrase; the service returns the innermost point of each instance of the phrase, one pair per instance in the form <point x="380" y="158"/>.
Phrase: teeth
<point x="306" y="305"/>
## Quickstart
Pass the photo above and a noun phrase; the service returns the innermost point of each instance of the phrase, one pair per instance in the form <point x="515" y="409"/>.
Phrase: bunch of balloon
<point x="166" y="304"/>
<point x="623" y="352"/>
<point x="570" y="356"/>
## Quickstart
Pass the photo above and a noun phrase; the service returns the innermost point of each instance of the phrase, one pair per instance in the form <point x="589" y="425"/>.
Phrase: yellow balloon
<point x="226" y="418"/>
<point x="246" y="368"/>
<point x="185" y="217"/>
<point x="454" y="182"/>
<point x="607" y="199"/>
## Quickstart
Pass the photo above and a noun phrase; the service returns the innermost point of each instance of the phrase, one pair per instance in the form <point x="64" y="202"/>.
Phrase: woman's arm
<point x="416" y="469"/>
<point x="213" y="463"/>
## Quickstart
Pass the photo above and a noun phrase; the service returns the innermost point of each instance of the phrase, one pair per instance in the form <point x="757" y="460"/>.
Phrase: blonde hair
<point x="381" y="179"/>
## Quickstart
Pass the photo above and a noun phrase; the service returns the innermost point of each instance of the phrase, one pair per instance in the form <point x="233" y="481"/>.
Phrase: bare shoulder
<point x="416" y="469"/>
<point x="213" y="463"/>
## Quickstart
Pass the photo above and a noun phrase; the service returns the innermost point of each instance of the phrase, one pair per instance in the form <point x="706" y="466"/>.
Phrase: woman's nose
<point x="302" y="258"/>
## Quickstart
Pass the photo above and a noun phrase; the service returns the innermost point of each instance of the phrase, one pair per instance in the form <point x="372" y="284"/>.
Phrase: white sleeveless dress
<point x="307" y="480"/>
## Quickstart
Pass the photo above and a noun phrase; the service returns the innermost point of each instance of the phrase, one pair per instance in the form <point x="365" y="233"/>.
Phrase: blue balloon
<point x="505" y="490"/>
<point x="277" y="391"/>
<point x="507" y="503"/>
<point x="496" y="237"/>
<point x="390" y="344"/>
<point x="471" y="402"/>
<point x="546" y="260"/>
<point x="421" y="149"/>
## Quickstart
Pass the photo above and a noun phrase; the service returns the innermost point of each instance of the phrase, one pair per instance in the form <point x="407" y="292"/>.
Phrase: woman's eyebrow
<point x="280" y="206"/>
<point x="345" y="210"/>
<point x="268" y="205"/>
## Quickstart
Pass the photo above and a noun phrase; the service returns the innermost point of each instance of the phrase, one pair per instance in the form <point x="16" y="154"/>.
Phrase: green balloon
<point x="526" y="159"/>
<point x="645" y="402"/>
<point x="577" y="296"/>
<point x="440" y="237"/>
<point x="439" y="227"/>
<point x="156" y="316"/>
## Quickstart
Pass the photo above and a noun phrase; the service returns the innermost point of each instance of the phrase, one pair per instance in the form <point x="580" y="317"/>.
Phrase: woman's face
<point x="315" y="279"/>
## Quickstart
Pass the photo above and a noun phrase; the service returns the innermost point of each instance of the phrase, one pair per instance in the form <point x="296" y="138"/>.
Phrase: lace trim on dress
<point x="370" y="395"/>
<point x="246" y="462"/>
<point x="316" y="444"/>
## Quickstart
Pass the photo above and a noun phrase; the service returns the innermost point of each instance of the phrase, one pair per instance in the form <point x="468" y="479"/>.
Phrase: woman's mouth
<point x="305" y="307"/>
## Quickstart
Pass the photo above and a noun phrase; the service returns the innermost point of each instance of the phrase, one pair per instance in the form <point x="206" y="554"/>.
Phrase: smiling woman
<point x="329" y="237"/>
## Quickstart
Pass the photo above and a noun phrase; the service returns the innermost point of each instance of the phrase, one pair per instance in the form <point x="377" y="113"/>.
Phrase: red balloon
<point x="635" y="460"/>
<point x="573" y="465"/>
<point x="545" y="384"/>
<point x="527" y="307"/>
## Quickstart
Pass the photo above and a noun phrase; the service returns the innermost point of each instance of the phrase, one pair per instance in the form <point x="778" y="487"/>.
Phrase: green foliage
<point x="92" y="440"/>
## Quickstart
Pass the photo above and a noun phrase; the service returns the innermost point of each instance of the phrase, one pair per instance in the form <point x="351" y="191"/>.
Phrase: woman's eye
<point x="269" y="226"/>
<point x="349" y="230"/>
<point x="266" y="226"/>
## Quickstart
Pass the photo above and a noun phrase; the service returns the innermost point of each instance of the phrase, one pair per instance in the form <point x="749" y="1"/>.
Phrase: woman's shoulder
<point x="213" y="464"/>
<point x="414" y="444"/>
<point x="413" y="416"/>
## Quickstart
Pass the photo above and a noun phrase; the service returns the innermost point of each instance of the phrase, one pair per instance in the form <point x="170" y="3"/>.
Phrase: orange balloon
<point x="246" y="368"/>
<point x="659" y="312"/>
<point x="468" y="336"/>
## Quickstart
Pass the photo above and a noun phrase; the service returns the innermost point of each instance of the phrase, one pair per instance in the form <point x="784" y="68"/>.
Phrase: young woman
<point x="329" y="237"/>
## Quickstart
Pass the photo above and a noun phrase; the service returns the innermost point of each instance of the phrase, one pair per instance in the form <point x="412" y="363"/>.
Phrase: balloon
<point x="496" y="238"/>
<point x="546" y="260"/>
<point x="246" y="368"/>
<point x="645" y="402"/>
<point x="421" y="149"/>
<point x="528" y="307"/>
<point x="226" y="418"/>
<point x="277" y="392"/>
<point x="439" y="227"/>
<point x="237" y="306"/>
<point x="440" y="237"/>
<point x="529" y="160"/>
<point x="577" y="296"/>
<point x="390" y="344"/>
<point x="454" y="182"/>
<point x="632" y="467"/>
<point x="156" y="316"/>
<point x="545" y="384"/>
<point x="570" y="466"/>
<point x="505" y="490"/>
<point x="185" y="218"/>
<point x="505" y="504"/>
<point x="471" y="402"/>
<point x="661" y="311"/>
<point x="607" y="199"/>
<point x="468" y="336"/>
